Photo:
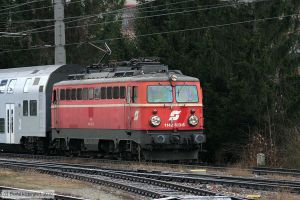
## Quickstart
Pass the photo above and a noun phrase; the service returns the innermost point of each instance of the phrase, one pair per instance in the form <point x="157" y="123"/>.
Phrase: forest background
<point x="246" y="55"/>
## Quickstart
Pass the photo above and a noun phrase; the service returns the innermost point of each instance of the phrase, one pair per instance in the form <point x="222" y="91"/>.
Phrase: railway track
<point x="276" y="171"/>
<point x="8" y="193"/>
<point x="135" y="183"/>
<point x="254" y="170"/>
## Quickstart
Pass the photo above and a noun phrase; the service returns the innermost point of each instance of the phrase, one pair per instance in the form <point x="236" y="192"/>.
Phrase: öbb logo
<point x="174" y="115"/>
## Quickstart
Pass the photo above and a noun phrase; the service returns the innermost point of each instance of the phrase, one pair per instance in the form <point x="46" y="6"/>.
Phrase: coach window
<point x="79" y="93"/>
<point x="103" y="93"/>
<point x="11" y="86"/>
<point x="62" y="94"/>
<point x="85" y="94"/>
<point x="2" y="125"/>
<point x="97" y="93"/>
<point x="33" y="108"/>
<point x="36" y="81"/>
<point x="122" y="92"/>
<point x="116" y="92"/>
<point x="68" y="94"/>
<point x="109" y="93"/>
<point x="73" y="94"/>
<point x="25" y="108"/>
<point x="91" y="93"/>
<point x="134" y="94"/>
<point x="2" y="86"/>
<point x="27" y="85"/>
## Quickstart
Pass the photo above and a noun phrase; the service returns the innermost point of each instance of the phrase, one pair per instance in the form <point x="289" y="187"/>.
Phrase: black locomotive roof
<point x="131" y="71"/>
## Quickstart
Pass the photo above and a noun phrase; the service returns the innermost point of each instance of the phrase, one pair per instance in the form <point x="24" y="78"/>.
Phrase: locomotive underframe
<point x="159" y="145"/>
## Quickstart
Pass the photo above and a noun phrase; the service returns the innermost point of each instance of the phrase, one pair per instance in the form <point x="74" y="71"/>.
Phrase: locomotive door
<point x="128" y="108"/>
<point x="132" y="114"/>
<point x="10" y="123"/>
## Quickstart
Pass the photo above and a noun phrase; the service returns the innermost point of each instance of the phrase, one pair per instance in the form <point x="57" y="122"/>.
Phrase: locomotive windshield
<point x="160" y="94"/>
<point x="186" y="94"/>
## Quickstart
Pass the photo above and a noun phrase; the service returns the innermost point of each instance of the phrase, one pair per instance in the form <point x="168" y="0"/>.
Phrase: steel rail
<point x="245" y="182"/>
<point x="81" y="174"/>
<point x="254" y="170"/>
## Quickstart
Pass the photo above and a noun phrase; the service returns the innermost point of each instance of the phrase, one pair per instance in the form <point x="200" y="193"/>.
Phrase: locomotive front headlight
<point x="193" y="120"/>
<point x="155" y="121"/>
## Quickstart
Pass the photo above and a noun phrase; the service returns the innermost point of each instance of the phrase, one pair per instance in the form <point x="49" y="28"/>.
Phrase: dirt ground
<point x="36" y="181"/>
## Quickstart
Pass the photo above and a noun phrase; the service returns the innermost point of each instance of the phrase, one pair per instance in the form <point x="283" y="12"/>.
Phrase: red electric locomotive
<point x="137" y="109"/>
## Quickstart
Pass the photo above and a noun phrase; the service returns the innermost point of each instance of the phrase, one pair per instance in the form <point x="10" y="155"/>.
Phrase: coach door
<point x="10" y="123"/>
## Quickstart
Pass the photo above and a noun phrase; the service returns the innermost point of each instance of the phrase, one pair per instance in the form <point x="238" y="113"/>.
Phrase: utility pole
<point x="60" y="39"/>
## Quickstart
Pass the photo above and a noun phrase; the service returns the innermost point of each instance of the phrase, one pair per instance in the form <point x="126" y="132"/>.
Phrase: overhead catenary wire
<point x="40" y="29"/>
<point x="164" y="32"/>
<point x="39" y="8"/>
<point x="21" y="4"/>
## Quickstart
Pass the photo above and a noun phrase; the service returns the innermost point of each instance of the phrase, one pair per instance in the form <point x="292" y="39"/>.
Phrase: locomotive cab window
<point x="160" y="94"/>
<point x="186" y="94"/>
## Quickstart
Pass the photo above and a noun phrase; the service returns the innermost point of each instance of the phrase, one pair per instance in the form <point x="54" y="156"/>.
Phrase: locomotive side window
<point x="25" y="108"/>
<point x="73" y="94"/>
<point x="97" y="93"/>
<point x="54" y="97"/>
<point x="85" y="94"/>
<point x="134" y="94"/>
<point x="68" y="94"/>
<point x="79" y="93"/>
<point x="103" y="93"/>
<point x="62" y="94"/>
<point x="122" y="92"/>
<point x="33" y="108"/>
<point x="91" y="93"/>
<point x="109" y="93"/>
<point x="2" y="125"/>
<point x="116" y="92"/>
